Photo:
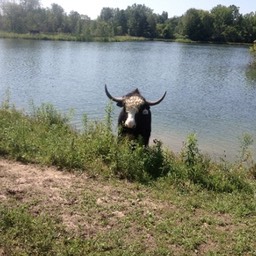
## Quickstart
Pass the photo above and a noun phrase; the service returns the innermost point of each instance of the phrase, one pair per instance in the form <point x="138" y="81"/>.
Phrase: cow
<point x="135" y="117"/>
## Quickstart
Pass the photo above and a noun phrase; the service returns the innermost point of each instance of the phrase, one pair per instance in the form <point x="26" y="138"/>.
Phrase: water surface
<point x="208" y="87"/>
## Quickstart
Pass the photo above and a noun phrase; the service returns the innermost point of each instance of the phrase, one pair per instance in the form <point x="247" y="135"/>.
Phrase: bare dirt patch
<point x="87" y="207"/>
<point x="26" y="181"/>
<point x="73" y="197"/>
<point x="95" y="207"/>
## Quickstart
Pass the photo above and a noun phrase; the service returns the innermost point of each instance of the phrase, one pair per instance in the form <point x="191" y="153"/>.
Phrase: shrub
<point x="197" y="164"/>
<point x="200" y="170"/>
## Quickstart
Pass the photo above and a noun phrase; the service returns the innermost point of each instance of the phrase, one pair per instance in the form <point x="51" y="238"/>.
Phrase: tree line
<point x="220" y="24"/>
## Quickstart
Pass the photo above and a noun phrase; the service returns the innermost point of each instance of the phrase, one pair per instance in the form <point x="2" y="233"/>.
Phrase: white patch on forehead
<point x="132" y="105"/>
<point x="133" y="102"/>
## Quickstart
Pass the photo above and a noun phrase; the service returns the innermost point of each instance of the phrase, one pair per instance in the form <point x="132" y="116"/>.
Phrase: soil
<point x="71" y="196"/>
<point x="98" y="205"/>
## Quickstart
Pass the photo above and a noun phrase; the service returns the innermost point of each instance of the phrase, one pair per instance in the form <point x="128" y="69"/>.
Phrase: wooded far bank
<point x="220" y="24"/>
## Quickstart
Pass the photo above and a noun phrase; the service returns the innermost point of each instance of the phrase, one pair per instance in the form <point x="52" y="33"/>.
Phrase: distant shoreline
<point x="80" y="38"/>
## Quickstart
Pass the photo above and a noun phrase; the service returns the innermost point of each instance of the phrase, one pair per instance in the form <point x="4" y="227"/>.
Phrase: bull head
<point x="120" y="100"/>
<point x="135" y="117"/>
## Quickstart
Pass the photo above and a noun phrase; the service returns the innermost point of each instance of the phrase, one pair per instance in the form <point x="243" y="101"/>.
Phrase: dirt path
<point x="73" y="197"/>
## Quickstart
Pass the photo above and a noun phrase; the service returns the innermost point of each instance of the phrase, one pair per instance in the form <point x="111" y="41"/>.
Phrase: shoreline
<point x="82" y="38"/>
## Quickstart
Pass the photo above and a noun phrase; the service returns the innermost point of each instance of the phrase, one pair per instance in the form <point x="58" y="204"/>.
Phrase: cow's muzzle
<point x="130" y="124"/>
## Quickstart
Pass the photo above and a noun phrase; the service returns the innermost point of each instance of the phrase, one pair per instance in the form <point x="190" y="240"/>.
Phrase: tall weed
<point x="201" y="171"/>
<point x="197" y="164"/>
<point x="49" y="115"/>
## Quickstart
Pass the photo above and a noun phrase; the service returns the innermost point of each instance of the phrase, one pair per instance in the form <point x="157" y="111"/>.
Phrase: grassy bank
<point x="173" y="204"/>
<point x="85" y="38"/>
<point x="69" y="37"/>
<point x="45" y="137"/>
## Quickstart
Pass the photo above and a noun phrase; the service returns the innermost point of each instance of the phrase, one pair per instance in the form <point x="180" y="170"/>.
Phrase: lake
<point x="209" y="88"/>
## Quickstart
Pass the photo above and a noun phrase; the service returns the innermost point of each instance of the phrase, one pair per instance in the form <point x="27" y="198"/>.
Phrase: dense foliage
<point x="221" y="24"/>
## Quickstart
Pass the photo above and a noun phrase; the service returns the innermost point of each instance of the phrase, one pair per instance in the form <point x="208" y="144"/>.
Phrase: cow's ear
<point x="119" y="104"/>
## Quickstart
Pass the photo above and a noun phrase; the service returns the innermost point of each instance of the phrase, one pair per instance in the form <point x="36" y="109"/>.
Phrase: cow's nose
<point x="130" y="120"/>
<point x="130" y="123"/>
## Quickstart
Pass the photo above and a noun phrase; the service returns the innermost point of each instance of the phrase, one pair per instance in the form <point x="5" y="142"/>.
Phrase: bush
<point x="210" y="176"/>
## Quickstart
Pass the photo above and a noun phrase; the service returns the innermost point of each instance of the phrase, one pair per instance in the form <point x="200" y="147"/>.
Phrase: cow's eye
<point x="145" y="112"/>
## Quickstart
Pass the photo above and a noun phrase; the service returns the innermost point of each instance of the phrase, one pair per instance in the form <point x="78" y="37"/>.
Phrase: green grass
<point x="46" y="137"/>
<point x="85" y="38"/>
<point x="173" y="204"/>
<point x="69" y="37"/>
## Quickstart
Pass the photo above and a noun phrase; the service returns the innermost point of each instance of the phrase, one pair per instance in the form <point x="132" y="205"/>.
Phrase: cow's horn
<point x="152" y="103"/>
<point x="116" y="99"/>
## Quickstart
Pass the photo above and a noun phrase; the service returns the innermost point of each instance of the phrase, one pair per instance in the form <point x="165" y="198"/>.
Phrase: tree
<point x="140" y="21"/>
<point x="103" y="29"/>
<point x="120" y="22"/>
<point x="29" y="5"/>
<point x="248" y="27"/>
<point x="164" y="31"/>
<point x="74" y="22"/>
<point x="197" y="24"/>
<point x="227" y="21"/>
<point x="56" y="18"/>
<point x="151" y="26"/>
<point x="14" y="18"/>
<point x="106" y="14"/>
<point x="173" y="25"/>
<point x="207" y="22"/>
<point x="192" y="24"/>
<point x="162" y="18"/>
<point x="236" y="16"/>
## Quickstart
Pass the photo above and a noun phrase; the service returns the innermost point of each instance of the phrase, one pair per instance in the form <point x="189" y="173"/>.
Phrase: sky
<point x="92" y="8"/>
